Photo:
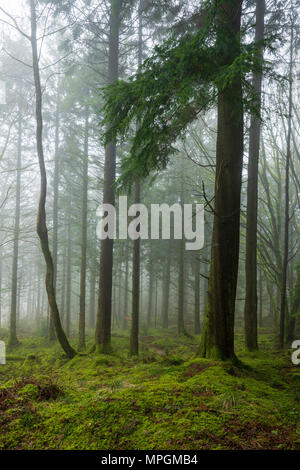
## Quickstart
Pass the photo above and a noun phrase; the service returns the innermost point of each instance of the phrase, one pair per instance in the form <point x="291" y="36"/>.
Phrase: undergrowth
<point x="166" y="399"/>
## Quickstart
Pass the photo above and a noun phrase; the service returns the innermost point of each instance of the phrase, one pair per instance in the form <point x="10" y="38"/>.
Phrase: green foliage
<point x="180" y="80"/>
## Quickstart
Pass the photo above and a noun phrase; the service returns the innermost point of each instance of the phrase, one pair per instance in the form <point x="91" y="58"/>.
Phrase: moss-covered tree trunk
<point x="217" y="339"/>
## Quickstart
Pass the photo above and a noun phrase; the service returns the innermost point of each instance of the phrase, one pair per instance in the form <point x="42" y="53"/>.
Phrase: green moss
<point x="29" y="392"/>
<point x="173" y="401"/>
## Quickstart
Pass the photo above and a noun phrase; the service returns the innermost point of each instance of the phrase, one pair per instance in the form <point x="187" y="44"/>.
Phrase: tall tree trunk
<point x="295" y="306"/>
<point x="134" y="336"/>
<point x="41" y="218"/>
<point x="82" y="295"/>
<point x="283" y="300"/>
<point x="55" y="206"/>
<point x="197" y="294"/>
<point x="63" y="287"/>
<point x="0" y="287"/>
<point x="13" y="340"/>
<point x="92" y="295"/>
<point x="38" y="305"/>
<point x="166" y="289"/>
<point x="217" y="339"/>
<point x="103" y="324"/>
<point x="150" y="294"/>
<point x="250" y="311"/>
<point x="125" y="309"/>
<point x="260" y="299"/>
<point x="181" y="279"/>
<point x="69" y="272"/>
<point x="134" y="341"/>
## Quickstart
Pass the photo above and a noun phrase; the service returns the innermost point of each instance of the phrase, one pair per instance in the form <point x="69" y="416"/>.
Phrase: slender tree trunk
<point x="217" y="339"/>
<point x="38" y="306"/>
<point x="181" y="279"/>
<point x="125" y="310"/>
<point x="134" y="341"/>
<point x="250" y="311"/>
<point x="295" y="306"/>
<point x="13" y="340"/>
<point x="166" y="290"/>
<point x="155" y="309"/>
<point x="150" y="295"/>
<point x="92" y="294"/>
<point x="260" y="299"/>
<point x="55" y="206"/>
<point x="69" y="272"/>
<point x="283" y="299"/>
<point x="0" y="287"/>
<point x="82" y="296"/>
<point x="63" y="287"/>
<point x="41" y="219"/>
<point x="197" y="294"/>
<point x="103" y="324"/>
<point x="134" y="336"/>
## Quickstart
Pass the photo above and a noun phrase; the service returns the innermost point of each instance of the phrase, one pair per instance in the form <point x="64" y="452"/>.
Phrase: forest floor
<point x="166" y="399"/>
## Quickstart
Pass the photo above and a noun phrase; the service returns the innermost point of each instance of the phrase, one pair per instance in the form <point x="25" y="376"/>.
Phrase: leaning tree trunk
<point x="103" y="324"/>
<point x="13" y="340"/>
<point x="217" y="339"/>
<point x="41" y="218"/>
<point x="250" y="311"/>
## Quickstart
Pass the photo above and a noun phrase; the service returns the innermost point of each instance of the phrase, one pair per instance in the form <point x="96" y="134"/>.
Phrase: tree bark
<point x="134" y="335"/>
<point x="41" y="218"/>
<point x="125" y="309"/>
<point x="197" y="295"/>
<point x="166" y="290"/>
<point x="295" y="306"/>
<point x="283" y="300"/>
<point x="13" y="340"/>
<point x="217" y="339"/>
<point x="55" y="206"/>
<point x="103" y="324"/>
<point x="250" y="310"/>
<point x="181" y="279"/>
<point x="150" y="294"/>
<point x="82" y="295"/>
<point x="69" y="272"/>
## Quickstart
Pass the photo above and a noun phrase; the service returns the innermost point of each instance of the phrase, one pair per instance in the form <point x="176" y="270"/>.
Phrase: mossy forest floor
<point x="166" y="399"/>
